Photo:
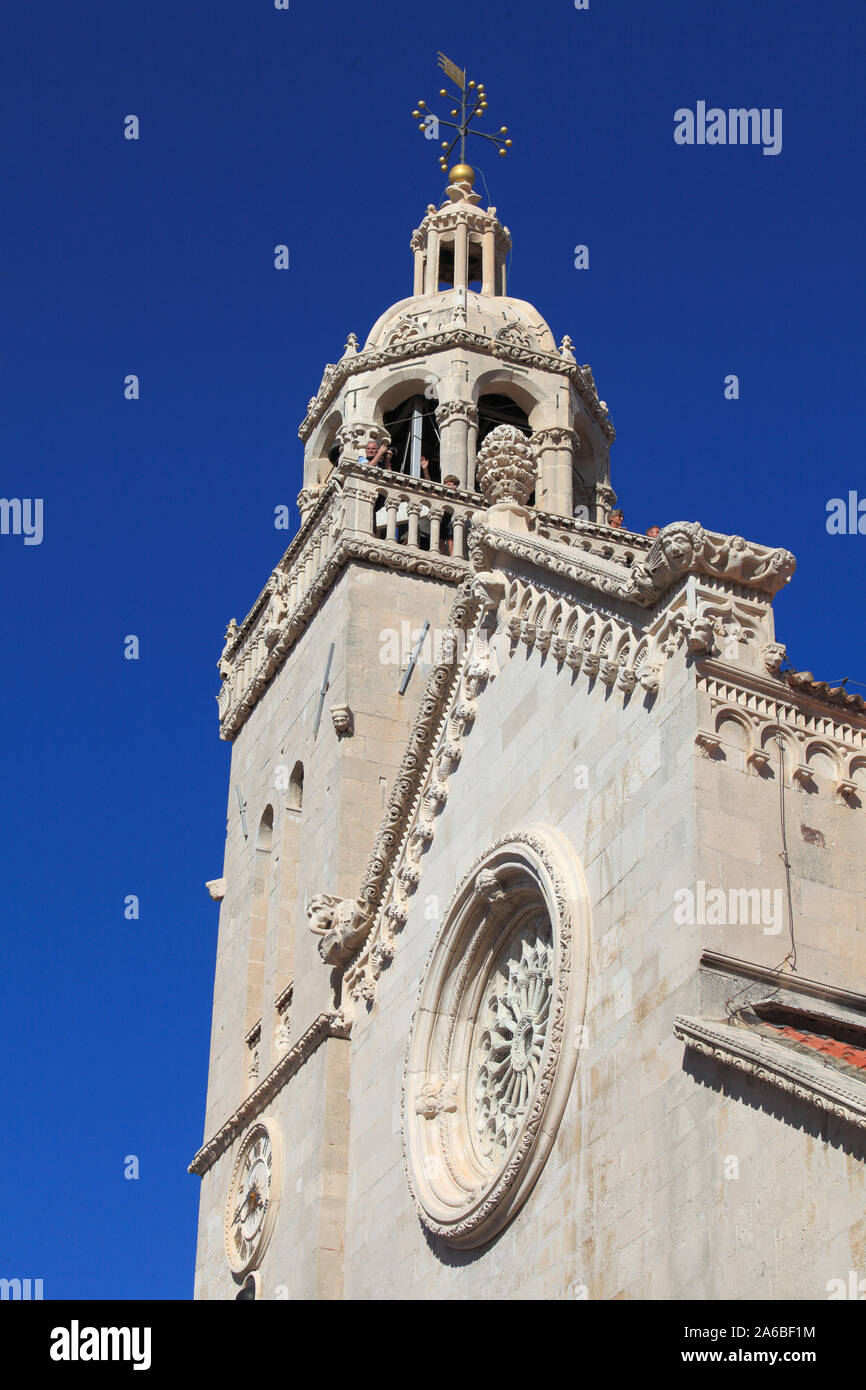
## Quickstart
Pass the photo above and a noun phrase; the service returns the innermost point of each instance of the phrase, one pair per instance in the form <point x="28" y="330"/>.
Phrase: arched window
<point x="414" y="435"/>
<point x="295" y="798"/>
<point x="496" y="410"/>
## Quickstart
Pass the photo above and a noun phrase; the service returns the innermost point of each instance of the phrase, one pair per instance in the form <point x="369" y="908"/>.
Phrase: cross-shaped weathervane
<point x="473" y="101"/>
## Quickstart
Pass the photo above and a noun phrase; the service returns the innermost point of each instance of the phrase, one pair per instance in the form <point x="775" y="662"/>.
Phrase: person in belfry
<point x="373" y="453"/>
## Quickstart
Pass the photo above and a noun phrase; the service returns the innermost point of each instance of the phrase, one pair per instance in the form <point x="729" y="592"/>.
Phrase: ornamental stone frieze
<point x="684" y="546"/>
<point x="449" y="340"/>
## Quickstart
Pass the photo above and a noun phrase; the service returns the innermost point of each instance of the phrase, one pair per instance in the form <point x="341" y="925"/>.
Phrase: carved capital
<point x="450" y="411"/>
<point x="555" y="437"/>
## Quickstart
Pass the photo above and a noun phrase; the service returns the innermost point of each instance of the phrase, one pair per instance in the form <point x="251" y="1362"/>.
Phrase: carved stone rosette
<point x="505" y="467"/>
<point x="495" y="1037"/>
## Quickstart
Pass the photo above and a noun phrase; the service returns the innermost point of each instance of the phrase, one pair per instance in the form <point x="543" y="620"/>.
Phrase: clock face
<point x="252" y="1197"/>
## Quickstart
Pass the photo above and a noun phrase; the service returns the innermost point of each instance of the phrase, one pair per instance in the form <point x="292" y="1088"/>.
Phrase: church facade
<point x="542" y="950"/>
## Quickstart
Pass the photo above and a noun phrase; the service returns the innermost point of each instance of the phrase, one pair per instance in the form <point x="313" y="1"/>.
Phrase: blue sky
<point x="155" y="257"/>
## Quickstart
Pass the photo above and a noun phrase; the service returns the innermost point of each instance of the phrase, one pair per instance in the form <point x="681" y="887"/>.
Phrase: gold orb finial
<point x="461" y="173"/>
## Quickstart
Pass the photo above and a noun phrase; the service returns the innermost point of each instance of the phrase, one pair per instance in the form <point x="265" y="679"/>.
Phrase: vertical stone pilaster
<point x="335" y="1170"/>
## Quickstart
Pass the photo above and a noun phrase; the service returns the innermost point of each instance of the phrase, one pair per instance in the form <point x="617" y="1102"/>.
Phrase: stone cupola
<point x="444" y="367"/>
<point x="460" y="244"/>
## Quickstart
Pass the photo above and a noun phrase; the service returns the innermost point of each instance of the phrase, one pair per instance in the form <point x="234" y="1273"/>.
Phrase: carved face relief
<point x="495" y="1039"/>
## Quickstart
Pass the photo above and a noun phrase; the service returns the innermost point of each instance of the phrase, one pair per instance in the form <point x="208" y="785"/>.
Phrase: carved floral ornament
<point x="495" y="1038"/>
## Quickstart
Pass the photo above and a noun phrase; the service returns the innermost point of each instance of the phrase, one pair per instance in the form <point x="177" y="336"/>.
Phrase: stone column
<point x="454" y="419"/>
<point x="414" y="509"/>
<point x="488" y="263"/>
<point x="555" y="449"/>
<point x="432" y="278"/>
<point x="458" y="527"/>
<point x="435" y="524"/>
<point x="461" y="256"/>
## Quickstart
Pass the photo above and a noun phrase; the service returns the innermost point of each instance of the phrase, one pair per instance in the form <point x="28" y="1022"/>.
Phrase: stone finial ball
<point x="505" y="467"/>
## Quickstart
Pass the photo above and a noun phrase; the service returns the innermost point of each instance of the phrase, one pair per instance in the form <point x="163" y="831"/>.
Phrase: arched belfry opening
<point x="414" y="436"/>
<point x="497" y="409"/>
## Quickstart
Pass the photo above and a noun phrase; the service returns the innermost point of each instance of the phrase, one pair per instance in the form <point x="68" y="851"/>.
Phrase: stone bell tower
<point x="321" y="685"/>
<point x="477" y="357"/>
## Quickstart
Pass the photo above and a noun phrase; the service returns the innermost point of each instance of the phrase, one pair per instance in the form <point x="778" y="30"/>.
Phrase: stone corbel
<point x="709" y="744"/>
<point x="757" y="761"/>
<point x="802" y="776"/>
<point x="342" y="924"/>
<point x="650" y="678"/>
<point x="697" y="630"/>
<point x="846" y="791"/>
<point x="217" y="888"/>
<point x="772" y="655"/>
<point x="343" y="720"/>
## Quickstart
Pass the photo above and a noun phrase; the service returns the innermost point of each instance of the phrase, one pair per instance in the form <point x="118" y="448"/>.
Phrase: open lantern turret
<point x="443" y="367"/>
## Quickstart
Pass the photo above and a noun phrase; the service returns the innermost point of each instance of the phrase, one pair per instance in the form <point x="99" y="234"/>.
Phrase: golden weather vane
<point x="473" y="102"/>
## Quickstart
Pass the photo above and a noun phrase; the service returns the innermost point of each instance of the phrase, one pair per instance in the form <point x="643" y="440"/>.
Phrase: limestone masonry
<point x="542" y="947"/>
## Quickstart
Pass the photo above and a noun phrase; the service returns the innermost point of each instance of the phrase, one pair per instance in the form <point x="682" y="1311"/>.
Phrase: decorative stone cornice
<point x="685" y="546"/>
<point x="331" y="1024"/>
<point x="773" y="701"/>
<point x="236" y="634"/>
<point x="419" y="791"/>
<point x="681" y="548"/>
<point x="372" y="551"/>
<point x="772" y="1062"/>
<point x="447" y="340"/>
<point x="842" y="999"/>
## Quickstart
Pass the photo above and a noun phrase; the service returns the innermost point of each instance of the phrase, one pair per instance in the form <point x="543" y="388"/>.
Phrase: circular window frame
<point x="263" y="1125"/>
<point x="459" y="1198"/>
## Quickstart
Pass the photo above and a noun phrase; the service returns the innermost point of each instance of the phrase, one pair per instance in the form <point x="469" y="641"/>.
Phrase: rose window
<point x="513" y="1028"/>
<point x="495" y="1038"/>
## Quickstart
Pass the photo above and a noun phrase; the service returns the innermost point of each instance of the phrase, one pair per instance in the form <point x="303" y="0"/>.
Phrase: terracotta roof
<point x="842" y="1045"/>
<point x="830" y="694"/>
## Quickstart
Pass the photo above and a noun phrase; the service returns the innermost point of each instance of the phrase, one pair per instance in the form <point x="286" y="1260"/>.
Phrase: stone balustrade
<point x="361" y="513"/>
